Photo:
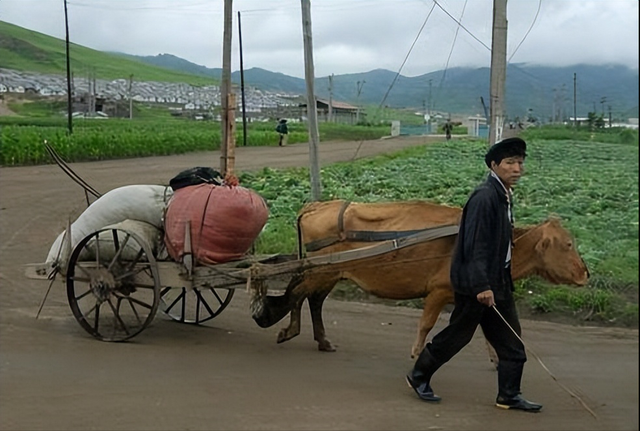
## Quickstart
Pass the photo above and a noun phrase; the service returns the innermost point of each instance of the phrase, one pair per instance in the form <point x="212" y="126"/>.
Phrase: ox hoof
<point x="326" y="346"/>
<point x="283" y="336"/>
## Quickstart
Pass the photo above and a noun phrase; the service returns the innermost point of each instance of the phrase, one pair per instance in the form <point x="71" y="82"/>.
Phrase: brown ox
<point x="417" y="271"/>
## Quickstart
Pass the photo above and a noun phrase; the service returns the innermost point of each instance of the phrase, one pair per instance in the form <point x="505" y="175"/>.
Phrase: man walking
<point x="482" y="283"/>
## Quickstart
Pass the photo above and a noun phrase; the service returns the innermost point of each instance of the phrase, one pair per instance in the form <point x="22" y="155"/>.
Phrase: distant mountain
<point x="545" y="92"/>
<point x="541" y="91"/>
<point x="259" y="78"/>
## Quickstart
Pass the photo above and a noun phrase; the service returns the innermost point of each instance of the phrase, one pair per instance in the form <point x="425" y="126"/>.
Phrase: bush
<point x="628" y="136"/>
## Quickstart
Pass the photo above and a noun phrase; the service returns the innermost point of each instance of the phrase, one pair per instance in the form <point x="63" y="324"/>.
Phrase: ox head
<point x="554" y="254"/>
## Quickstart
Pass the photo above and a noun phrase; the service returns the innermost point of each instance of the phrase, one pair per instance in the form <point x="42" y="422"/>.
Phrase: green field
<point x="592" y="186"/>
<point x="21" y="142"/>
<point x="589" y="179"/>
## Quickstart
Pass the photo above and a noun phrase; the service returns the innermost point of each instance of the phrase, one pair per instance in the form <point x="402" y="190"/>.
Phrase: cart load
<point x="221" y="221"/>
<point x="145" y="203"/>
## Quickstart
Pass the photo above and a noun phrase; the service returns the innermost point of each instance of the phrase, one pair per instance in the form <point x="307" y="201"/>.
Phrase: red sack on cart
<point x="224" y="221"/>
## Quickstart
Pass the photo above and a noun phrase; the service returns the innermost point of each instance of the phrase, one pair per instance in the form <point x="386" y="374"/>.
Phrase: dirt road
<point x="231" y="375"/>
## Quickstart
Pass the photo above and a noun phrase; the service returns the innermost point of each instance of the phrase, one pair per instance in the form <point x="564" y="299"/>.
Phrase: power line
<point x="462" y="26"/>
<point x="407" y="56"/>
<point x="528" y="31"/>
<point x="453" y="44"/>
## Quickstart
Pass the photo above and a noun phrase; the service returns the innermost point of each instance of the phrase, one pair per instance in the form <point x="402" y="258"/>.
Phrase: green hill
<point x="28" y="50"/>
<point x="543" y="92"/>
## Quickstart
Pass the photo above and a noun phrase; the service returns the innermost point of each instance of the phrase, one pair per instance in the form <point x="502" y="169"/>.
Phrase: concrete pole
<point x="225" y="85"/>
<point x="312" y="113"/>
<point x="498" y="69"/>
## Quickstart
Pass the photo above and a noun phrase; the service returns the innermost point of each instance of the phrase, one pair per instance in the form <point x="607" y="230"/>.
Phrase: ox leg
<point x="434" y="303"/>
<point x="294" y="307"/>
<point x="293" y="330"/>
<point x="315" y="306"/>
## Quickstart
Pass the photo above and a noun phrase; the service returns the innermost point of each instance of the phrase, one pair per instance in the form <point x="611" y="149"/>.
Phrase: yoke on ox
<point x="418" y="271"/>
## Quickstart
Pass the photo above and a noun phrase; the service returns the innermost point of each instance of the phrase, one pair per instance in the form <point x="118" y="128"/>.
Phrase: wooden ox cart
<point x="117" y="277"/>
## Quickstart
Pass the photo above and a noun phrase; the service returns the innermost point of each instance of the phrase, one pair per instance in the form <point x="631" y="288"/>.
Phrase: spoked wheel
<point x="195" y="305"/>
<point x="113" y="286"/>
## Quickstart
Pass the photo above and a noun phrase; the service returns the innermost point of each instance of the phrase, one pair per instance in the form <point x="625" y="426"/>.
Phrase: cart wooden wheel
<point x="194" y="305"/>
<point x="113" y="286"/>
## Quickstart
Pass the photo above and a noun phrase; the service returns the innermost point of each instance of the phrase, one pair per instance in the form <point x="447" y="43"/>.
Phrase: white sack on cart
<point x="136" y="202"/>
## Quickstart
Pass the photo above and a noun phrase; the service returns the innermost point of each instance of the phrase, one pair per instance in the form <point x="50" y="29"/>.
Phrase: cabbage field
<point x="588" y="178"/>
<point x="591" y="186"/>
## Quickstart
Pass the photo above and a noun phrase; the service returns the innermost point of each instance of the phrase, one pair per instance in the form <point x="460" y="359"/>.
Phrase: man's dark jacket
<point x="478" y="262"/>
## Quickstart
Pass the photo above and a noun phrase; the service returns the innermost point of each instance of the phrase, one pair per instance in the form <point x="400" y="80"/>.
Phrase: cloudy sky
<point x="349" y="36"/>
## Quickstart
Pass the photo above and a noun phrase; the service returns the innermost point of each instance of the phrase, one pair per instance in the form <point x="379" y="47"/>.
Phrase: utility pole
<point x="94" y="92"/>
<point x="610" y="125"/>
<point x="69" y="93"/>
<point x="429" y="112"/>
<point x="331" y="98"/>
<point x="359" y="86"/>
<point x="230" y="164"/>
<point x="225" y="85"/>
<point x="312" y="114"/>
<point x="554" y="109"/>
<point x="429" y="109"/>
<point x="575" y="115"/>
<point x="244" y="107"/>
<point x="130" y="97"/>
<point x="563" y="98"/>
<point x="498" y="69"/>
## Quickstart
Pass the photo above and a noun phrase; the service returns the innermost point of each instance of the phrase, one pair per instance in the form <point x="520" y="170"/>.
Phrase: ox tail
<point x="267" y="310"/>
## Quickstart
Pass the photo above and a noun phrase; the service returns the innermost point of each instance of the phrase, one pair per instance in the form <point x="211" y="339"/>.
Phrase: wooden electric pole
<point x="312" y="114"/>
<point x="498" y="70"/>
<point x="244" y="106"/>
<point x="331" y="98"/>
<point x="130" y="97"/>
<point x="225" y="86"/>
<point x="359" y="86"/>
<point x="575" y="112"/>
<point x="69" y="92"/>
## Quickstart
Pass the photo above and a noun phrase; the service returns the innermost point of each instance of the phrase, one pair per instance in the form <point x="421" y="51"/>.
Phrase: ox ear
<point x="543" y="244"/>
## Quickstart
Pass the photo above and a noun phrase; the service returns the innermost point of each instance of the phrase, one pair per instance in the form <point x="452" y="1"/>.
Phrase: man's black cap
<point x="506" y="148"/>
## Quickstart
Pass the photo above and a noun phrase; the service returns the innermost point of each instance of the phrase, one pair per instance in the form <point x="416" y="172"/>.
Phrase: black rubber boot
<point x="420" y="377"/>
<point x="509" y="378"/>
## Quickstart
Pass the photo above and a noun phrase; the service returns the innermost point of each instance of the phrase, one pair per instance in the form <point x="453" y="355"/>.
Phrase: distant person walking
<point x="448" y="127"/>
<point x="283" y="131"/>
